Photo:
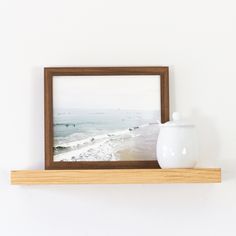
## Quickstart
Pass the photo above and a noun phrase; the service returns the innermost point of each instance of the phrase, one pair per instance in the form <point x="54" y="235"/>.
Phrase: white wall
<point x="196" y="39"/>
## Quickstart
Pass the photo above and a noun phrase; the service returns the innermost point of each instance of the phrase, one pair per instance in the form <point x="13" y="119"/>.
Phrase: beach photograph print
<point x="105" y="118"/>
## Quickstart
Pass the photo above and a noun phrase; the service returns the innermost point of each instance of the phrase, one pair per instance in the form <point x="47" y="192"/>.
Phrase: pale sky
<point x="107" y="92"/>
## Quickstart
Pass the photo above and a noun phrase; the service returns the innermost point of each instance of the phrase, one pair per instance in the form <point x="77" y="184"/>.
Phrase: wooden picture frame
<point x="50" y="72"/>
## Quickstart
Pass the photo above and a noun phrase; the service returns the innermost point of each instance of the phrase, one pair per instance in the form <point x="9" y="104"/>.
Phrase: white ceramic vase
<point x="177" y="144"/>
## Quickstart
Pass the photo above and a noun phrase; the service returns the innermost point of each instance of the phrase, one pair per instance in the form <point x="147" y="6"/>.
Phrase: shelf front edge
<point x="121" y="176"/>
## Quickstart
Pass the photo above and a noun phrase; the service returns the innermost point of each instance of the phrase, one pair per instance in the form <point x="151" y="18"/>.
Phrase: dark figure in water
<point x="135" y="127"/>
<point x="59" y="148"/>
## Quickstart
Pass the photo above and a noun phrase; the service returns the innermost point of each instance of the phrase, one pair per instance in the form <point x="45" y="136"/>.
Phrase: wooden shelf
<point x="121" y="176"/>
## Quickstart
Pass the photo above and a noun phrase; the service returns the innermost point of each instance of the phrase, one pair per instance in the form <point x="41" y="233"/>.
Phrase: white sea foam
<point x="124" y="133"/>
<point x="101" y="150"/>
<point x="95" y="148"/>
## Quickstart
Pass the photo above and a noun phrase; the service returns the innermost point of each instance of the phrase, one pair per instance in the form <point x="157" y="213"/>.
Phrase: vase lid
<point x="177" y="121"/>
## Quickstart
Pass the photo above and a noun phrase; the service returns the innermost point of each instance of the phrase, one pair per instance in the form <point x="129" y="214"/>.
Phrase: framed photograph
<point x="104" y="117"/>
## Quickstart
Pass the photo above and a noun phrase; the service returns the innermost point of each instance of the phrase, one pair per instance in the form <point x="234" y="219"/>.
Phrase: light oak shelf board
<point x="121" y="176"/>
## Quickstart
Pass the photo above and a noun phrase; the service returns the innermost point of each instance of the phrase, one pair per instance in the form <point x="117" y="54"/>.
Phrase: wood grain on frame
<point x="99" y="71"/>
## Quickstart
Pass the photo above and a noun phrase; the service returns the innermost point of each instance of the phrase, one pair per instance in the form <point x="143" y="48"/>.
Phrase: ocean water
<point x="103" y="135"/>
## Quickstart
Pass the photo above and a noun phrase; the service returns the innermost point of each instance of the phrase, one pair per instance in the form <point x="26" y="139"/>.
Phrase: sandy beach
<point x="142" y="147"/>
<point x="137" y="143"/>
